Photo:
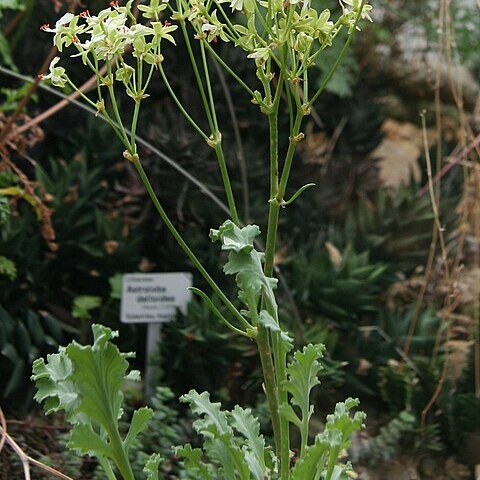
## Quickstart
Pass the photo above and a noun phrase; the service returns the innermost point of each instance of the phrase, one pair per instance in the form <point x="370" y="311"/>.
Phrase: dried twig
<point x="24" y="101"/>
<point x="24" y="458"/>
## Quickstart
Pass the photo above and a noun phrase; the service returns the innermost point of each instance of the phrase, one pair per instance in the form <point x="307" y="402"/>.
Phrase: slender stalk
<point x="122" y="461"/>
<point x="282" y="442"/>
<point x="229" y="70"/>
<point x="184" y="246"/>
<point x="217" y="139"/>
<point x="136" y="111"/>
<point x="238" y="140"/>
<point x="289" y="157"/>
<point x="196" y="72"/>
<point x="209" y="90"/>
<point x="265" y="352"/>
<point x="226" y="182"/>
<point x="339" y="58"/>
<point x="180" y="106"/>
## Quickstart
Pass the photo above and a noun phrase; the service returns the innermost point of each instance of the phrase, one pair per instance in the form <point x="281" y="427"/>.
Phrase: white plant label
<point x="154" y="297"/>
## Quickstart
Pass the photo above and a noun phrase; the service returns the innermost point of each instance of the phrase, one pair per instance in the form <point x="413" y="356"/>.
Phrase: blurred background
<point x="380" y="261"/>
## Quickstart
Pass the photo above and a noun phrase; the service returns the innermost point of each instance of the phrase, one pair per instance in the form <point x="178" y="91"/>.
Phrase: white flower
<point x="260" y="55"/>
<point x="355" y="4"/>
<point x="66" y="30"/>
<point x="57" y="75"/>
<point x="236" y="4"/>
<point x="67" y="18"/>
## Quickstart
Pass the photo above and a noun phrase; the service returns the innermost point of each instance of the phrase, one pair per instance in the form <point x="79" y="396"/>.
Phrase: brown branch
<point x="12" y="24"/>
<point x="24" y="101"/>
<point x="24" y="458"/>
<point x="86" y="87"/>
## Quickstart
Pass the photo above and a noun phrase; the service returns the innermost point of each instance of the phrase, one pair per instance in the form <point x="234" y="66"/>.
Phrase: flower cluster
<point x="290" y="33"/>
<point x="108" y="36"/>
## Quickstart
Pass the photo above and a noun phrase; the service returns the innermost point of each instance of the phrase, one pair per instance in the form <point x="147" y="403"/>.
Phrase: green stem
<point x="339" y="58"/>
<point x="229" y="70"/>
<point x="265" y="352"/>
<point x="134" y="125"/>
<point x="289" y="157"/>
<point x="180" y="106"/>
<point x="121" y="457"/>
<point x="116" y="112"/>
<point x="186" y="248"/>
<point x="217" y="140"/>
<point x="196" y="73"/>
<point x="280" y="359"/>
<point x="209" y="88"/>
<point x="226" y="181"/>
<point x="107" y="468"/>
<point x="282" y="440"/>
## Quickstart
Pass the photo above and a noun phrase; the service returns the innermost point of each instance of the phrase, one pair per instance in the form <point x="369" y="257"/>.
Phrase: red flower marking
<point x="45" y="26"/>
<point x="75" y="40"/>
<point x="114" y="4"/>
<point x="85" y="14"/>
<point x="167" y="23"/>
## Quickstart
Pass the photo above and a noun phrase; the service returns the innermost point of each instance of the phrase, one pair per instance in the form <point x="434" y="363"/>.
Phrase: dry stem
<point x="24" y="458"/>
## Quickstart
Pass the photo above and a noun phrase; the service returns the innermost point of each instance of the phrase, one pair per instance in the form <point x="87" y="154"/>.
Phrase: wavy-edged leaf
<point x="302" y="376"/>
<point x="246" y="263"/>
<point x="98" y="375"/>
<point x="200" y="404"/>
<point x="219" y="442"/>
<point x="313" y="461"/>
<point x="193" y="462"/>
<point x="342" y="421"/>
<point x="265" y="319"/>
<point x="139" y="422"/>
<point x="151" y="467"/>
<point x="85" y="382"/>
<point x="54" y="384"/>
<point x="229" y="457"/>
<point x="254" y="449"/>
<point x="234" y="238"/>
<point x="85" y="441"/>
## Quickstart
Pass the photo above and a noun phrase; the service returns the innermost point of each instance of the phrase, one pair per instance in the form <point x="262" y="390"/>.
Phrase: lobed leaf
<point x="193" y="462"/>
<point x="302" y="376"/>
<point x="139" y="422"/>
<point x="246" y="263"/>
<point x="254" y="449"/>
<point x="151" y="467"/>
<point x="85" y="382"/>
<point x="212" y="415"/>
<point x="312" y="461"/>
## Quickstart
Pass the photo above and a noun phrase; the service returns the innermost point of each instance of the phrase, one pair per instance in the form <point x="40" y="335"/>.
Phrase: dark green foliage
<point x="342" y="289"/>
<point x="463" y="417"/>
<point x="396" y="324"/>
<point x="166" y="429"/>
<point x="396" y="225"/>
<point x="401" y="435"/>
<point x="197" y="351"/>
<point x="94" y="240"/>
<point x="396" y="387"/>
<point x="23" y="338"/>
<point x="381" y="344"/>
